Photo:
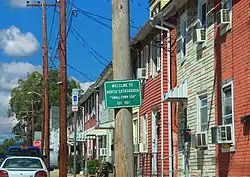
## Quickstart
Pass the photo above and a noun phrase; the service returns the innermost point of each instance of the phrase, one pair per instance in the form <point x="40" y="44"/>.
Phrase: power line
<point x="86" y="13"/>
<point x="81" y="73"/>
<point x="52" y="23"/>
<point x="89" y="45"/>
<point x="83" y="44"/>
<point x="140" y="5"/>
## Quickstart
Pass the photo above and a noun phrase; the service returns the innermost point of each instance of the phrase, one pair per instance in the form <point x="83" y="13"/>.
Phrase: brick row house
<point x="202" y="127"/>
<point x="192" y="58"/>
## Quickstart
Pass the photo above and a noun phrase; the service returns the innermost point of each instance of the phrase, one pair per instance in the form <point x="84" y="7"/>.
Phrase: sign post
<point x="74" y="109"/>
<point x="122" y="94"/>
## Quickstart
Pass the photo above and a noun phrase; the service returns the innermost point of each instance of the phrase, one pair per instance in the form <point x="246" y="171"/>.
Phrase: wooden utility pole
<point x="124" y="155"/>
<point x="63" y="92"/>
<point x="46" y="127"/>
<point x="45" y="86"/>
<point x="32" y="123"/>
<point x="27" y="130"/>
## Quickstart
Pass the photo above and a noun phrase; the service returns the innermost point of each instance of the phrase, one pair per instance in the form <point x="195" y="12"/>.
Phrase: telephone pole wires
<point x="63" y="92"/>
<point x="124" y="158"/>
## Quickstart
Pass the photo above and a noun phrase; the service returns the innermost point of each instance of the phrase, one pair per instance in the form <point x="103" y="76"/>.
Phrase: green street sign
<point x="122" y="93"/>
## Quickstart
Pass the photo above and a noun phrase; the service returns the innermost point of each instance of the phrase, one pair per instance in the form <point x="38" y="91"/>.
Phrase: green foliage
<point x="93" y="166"/>
<point x="108" y="167"/>
<point x="7" y="143"/>
<point x="21" y="102"/>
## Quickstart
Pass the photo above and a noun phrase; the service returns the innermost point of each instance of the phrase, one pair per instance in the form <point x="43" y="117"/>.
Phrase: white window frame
<point x="200" y="13"/>
<point x="146" y="58"/>
<point x="229" y="26"/>
<point x="183" y="20"/>
<point x="199" y="98"/>
<point x="230" y="83"/>
<point x="89" y="109"/>
<point x="135" y="131"/>
<point x="145" y="131"/>
<point x="155" y="56"/>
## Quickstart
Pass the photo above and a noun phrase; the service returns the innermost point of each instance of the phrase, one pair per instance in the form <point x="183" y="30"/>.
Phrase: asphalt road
<point x="55" y="173"/>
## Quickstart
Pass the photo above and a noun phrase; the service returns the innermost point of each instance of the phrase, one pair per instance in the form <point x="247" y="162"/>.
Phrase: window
<point x="145" y="131"/>
<point x="144" y="59"/>
<point x="183" y="37"/>
<point x="202" y="13"/>
<point x="155" y="55"/>
<point x="135" y="131"/>
<point x="89" y="108"/>
<point x="202" y="113"/>
<point x="227" y="104"/>
<point x="156" y="9"/>
<point x="23" y="163"/>
<point x="226" y="4"/>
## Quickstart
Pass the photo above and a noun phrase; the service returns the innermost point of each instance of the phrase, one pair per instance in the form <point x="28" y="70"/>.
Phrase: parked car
<point x="24" y="151"/>
<point x="20" y="166"/>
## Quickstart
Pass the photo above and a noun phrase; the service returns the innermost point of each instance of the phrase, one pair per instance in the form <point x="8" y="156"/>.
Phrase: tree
<point x="7" y="143"/>
<point x="21" y="102"/>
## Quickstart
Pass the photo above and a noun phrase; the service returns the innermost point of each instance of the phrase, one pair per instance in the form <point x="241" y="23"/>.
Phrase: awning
<point x="177" y="94"/>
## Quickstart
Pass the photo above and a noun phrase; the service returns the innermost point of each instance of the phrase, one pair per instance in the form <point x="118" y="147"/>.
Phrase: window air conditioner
<point x="222" y="134"/>
<point x="136" y="148"/>
<point x="103" y="151"/>
<point x="142" y="147"/>
<point x="223" y="17"/>
<point x="199" y="35"/>
<point x="199" y="140"/>
<point x="141" y="73"/>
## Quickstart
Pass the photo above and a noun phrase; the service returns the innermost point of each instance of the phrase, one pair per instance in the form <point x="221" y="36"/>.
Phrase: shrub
<point x="93" y="166"/>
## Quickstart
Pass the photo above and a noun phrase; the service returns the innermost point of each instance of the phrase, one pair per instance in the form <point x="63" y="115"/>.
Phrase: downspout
<point x="162" y="103"/>
<point x="169" y="104"/>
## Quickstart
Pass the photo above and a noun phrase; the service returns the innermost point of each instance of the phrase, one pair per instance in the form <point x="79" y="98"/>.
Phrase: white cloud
<point x="11" y="72"/>
<point x="85" y="85"/>
<point x="9" y="75"/>
<point x="14" y="43"/>
<point x="18" y="3"/>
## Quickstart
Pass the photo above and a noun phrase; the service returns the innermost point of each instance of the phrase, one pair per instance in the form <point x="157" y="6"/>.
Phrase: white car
<point x="23" y="166"/>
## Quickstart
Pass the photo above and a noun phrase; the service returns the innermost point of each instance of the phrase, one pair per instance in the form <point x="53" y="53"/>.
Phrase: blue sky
<point x="28" y="23"/>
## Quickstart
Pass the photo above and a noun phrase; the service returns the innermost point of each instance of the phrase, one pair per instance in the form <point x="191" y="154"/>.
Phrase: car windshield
<point x="23" y="163"/>
<point x="23" y="152"/>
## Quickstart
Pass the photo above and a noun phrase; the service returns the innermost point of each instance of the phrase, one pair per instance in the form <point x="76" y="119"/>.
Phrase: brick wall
<point x="232" y="54"/>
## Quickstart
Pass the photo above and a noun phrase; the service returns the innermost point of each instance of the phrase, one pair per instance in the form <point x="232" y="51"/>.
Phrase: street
<point x="55" y="173"/>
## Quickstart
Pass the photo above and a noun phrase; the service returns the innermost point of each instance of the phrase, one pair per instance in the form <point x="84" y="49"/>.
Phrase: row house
<point x="232" y="92"/>
<point x="211" y="89"/>
<point x="105" y="124"/>
<point x="150" y="122"/>
<point x="194" y="118"/>
<point x="95" y="123"/>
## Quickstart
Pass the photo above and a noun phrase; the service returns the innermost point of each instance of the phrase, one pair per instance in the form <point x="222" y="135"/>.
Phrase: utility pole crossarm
<point x="40" y="5"/>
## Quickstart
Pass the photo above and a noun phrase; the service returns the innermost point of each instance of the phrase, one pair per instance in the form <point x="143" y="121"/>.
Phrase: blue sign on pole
<point x="75" y="98"/>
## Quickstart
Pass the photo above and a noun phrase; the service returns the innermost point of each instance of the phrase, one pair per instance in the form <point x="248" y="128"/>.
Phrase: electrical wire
<point x="89" y="45"/>
<point x="52" y="23"/>
<point x="79" y="38"/>
<point x="81" y="73"/>
<point x="86" y="13"/>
